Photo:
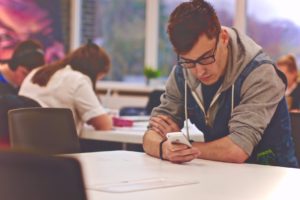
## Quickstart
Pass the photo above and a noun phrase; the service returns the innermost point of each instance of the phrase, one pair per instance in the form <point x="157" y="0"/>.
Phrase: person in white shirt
<point x="70" y="83"/>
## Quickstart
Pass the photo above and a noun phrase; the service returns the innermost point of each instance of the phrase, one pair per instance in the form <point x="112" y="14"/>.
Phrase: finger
<point x="166" y="118"/>
<point x="182" y="159"/>
<point x="173" y="149"/>
<point x="171" y="124"/>
<point x="152" y="126"/>
<point x="160" y="121"/>
<point x="158" y="131"/>
<point x="178" y="147"/>
<point x="180" y="153"/>
<point x="159" y="124"/>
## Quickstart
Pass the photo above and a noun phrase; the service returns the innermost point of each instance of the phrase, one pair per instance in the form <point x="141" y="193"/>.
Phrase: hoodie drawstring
<point x="185" y="110"/>
<point x="232" y="97"/>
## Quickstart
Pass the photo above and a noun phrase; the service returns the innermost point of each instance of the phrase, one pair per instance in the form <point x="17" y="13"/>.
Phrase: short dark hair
<point x="190" y="20"/>
<point x="28" y="54"/>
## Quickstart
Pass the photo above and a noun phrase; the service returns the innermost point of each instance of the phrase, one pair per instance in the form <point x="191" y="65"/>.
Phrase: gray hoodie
<point x="260" y="94"/>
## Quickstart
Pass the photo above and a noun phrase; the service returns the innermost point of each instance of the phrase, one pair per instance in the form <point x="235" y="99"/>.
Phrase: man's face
<point x="210" y="57"/>
<point x="20" y="74"/>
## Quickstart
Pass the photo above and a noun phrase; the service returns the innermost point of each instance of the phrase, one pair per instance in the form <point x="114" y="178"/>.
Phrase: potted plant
<point x="151" y="73"/>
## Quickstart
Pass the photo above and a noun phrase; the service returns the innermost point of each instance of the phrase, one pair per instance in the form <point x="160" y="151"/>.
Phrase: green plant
<point x="151" y="73"/>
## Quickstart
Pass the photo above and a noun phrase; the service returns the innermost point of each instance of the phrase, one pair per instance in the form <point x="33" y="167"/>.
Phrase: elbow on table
<point x="146" y="145"/>
<point x="239" y="159"/>
<point x="151" y="143"/>
<point x="102" y="122"/>
<point x="238" y="156"/>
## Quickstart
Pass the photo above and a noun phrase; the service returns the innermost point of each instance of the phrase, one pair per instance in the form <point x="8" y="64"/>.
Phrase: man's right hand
<point x="179" y="153"/>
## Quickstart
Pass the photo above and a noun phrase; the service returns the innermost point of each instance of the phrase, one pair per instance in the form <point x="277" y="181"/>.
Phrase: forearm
<point x="102" y="122"/>
<point x="151" y="141"/>
<point x="221" y="150"/>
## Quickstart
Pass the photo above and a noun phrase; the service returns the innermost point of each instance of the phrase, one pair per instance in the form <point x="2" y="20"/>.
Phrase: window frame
<point x="151" y="26"/>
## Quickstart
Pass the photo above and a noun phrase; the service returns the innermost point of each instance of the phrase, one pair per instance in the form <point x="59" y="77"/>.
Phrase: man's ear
<point x="224" y="36"/>
<point x="21" y="70"/>
<point x="20" y="74"/>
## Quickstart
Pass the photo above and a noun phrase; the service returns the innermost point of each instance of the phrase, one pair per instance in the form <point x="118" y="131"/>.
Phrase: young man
<point x="232" y="91"/>
<point x="27" y="56"/>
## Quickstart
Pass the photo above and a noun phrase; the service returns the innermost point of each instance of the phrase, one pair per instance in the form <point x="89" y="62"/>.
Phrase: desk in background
<point x="214" y="180"/>
<point x="116" y="95"/>
<point x="129" y="135"/>
<point x="126" y="138"/>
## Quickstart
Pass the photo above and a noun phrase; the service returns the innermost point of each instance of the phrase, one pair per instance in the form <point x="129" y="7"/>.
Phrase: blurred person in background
<point x="288" y="65"/>
<point x="70" y="83"/>
<point x="27" y="56"/>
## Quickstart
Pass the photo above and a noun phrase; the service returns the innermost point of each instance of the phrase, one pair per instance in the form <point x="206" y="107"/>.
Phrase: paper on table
<point x="140" y="118"/>
<point x="141" y="184"/>
<point x="137" y="127"/>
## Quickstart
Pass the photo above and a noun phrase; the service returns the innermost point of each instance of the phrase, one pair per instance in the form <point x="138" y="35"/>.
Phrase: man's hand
<point x="179" y="153"/>
<point x="163" y="124"/>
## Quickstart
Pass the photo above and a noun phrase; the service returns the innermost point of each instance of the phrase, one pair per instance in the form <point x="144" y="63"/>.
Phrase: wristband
<point x="161" y="150"/>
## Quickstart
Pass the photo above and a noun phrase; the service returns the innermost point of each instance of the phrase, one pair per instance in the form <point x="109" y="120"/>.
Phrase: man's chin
<point x="208" y="81"/>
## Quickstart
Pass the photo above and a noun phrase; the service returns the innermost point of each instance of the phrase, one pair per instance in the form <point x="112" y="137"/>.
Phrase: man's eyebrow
<point x="202" y="56"/>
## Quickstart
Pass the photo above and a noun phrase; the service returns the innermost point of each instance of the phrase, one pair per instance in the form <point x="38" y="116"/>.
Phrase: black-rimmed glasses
<point x="202" y="60"/>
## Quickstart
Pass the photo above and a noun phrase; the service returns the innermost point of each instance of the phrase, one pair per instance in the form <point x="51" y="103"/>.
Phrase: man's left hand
<point x="163" y="124"/>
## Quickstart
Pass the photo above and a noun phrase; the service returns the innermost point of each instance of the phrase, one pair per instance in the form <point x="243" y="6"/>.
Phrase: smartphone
<point x="178" y="137"/>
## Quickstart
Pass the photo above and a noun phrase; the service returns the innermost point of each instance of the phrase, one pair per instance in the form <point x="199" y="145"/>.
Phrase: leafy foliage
<point x="150" y="72"/>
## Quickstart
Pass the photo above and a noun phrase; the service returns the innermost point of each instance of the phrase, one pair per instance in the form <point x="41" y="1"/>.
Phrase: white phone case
<point x="178" y="137"/>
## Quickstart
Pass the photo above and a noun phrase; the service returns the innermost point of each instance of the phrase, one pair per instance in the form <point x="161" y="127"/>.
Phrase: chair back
<point x="37" y="177"/>
<point x="8" y="102"/>
<point x="43" y="130"/>
<point x="295" y="124"/>
<point x="153" y="100"/>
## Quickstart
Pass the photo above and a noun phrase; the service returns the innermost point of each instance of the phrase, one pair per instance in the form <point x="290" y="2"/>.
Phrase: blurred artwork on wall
<point x="31" y="19"/>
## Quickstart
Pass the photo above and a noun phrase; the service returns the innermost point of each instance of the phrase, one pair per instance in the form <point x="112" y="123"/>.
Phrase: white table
<point x="125" y="136"/>
<point x="132" y="135"/>
<point x="215" y="180"/>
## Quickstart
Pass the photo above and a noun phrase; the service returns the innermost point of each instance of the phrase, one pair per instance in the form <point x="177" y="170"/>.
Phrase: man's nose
<point x="200" y="69"/>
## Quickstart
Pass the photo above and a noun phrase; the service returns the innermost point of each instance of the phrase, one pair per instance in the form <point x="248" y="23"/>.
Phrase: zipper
<point x="206" y="114"/>
<point x="196" y="97"/>
<point x="200" y="104"/>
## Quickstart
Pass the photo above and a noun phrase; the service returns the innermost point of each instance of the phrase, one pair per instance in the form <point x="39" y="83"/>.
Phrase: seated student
<point x="70" y="83"/>
<point x="228" y="88"/>
<point x="27" y="56"/>
<point x="288" y="65"/>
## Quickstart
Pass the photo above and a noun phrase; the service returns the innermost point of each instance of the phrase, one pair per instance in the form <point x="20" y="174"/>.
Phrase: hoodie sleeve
<point x="172" y="102"/>
<point x="260" y="94"/>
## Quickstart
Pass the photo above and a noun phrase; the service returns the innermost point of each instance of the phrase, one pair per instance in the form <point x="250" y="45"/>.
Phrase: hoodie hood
<point x="241" y="50"/>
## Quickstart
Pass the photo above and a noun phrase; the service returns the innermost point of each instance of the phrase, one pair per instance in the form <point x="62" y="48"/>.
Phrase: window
<point x="119" y="27"/>
<point x="166" y="56"/>
<point x="281" y="20"/>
